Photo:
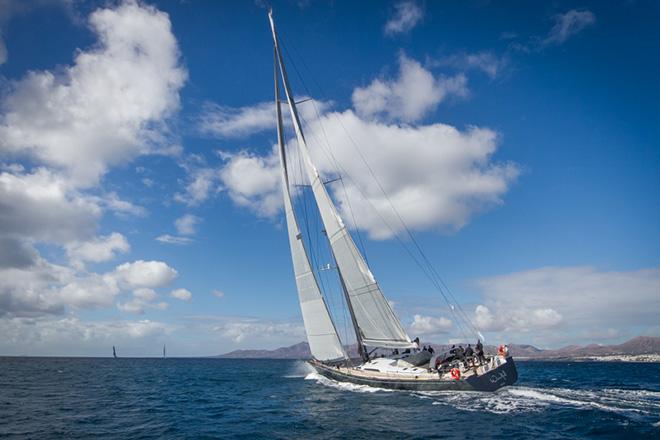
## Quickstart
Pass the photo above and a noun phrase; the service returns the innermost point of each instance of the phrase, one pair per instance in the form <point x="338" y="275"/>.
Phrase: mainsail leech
<point x="377" y="324"/>
<point x="322" y="336"/>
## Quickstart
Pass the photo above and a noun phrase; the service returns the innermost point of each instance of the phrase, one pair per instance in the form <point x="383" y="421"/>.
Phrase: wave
<point x="638" y="404"/>
<point x="643" y="405"/>
<point x="344" y="386"/>
<point x="299" y="369"/>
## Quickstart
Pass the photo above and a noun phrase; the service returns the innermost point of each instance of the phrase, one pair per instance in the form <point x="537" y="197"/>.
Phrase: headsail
<point x="321" y="333"/>
<point x="377" y="324"/>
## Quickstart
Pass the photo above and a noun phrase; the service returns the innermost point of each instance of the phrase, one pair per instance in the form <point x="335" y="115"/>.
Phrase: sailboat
<point x="164" y="352"/>
<point x="114" y="352"/>
<point x="376" y="327"/>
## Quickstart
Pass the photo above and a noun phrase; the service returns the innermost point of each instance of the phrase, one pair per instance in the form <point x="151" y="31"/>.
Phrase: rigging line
<point x="433" y="272"/>
<point x="332" y="156"/>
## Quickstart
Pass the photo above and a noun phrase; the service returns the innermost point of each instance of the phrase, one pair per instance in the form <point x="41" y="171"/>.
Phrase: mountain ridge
<point x="638" y="346"/>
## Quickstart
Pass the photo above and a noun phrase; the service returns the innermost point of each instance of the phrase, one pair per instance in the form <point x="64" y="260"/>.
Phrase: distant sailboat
<point x="164" y="352"/>
<point x="114" y="352"/>
<point x="375" y="325"/>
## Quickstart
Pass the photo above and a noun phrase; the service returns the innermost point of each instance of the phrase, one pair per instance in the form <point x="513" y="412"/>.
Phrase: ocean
<point x="75" y="398"/>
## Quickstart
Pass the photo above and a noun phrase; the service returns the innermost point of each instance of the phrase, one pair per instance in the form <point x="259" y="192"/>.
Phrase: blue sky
<point x="139" y="197"/>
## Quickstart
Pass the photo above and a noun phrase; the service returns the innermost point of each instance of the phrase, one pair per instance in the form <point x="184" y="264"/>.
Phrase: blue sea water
<point x="71" y="398"/>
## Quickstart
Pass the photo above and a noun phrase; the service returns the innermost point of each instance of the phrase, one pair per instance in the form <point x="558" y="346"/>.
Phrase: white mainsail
<point x="322" y="336"/>
<point x="377" y="326"/>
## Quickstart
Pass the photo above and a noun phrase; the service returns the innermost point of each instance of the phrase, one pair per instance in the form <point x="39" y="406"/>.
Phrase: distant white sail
<point x="377" y="324"/>
<point x="322" y="336"/>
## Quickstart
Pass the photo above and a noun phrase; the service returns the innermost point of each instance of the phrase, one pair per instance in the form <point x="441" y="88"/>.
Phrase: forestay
<point x="322" y="336"/>
<point x="377" y="324"/>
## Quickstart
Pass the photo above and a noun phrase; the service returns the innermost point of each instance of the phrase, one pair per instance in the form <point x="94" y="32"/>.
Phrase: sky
<point x="139" y="185"/>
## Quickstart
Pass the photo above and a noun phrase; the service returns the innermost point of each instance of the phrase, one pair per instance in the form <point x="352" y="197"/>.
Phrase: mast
<point x="375" y="323"/>
<point x="324" y="342"/>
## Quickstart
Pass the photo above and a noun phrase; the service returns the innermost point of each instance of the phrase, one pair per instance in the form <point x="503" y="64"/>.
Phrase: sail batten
<point x="376" y="324"/>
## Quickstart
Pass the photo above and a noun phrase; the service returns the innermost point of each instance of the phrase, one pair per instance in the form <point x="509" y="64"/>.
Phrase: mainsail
<point x="321" y="333"/>
<point x="377" y="326"/>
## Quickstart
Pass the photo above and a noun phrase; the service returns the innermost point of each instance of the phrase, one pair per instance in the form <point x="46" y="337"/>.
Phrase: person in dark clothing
<point x="460" y="353"/>
<point x="416" y="341"/>
<point x="431" y="350"/>
<point x="469" y="354"/>
<point x="480" y="351"/>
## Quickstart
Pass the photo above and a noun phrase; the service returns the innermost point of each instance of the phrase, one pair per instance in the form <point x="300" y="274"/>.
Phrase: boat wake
<point x="344" y="386"/>
<point x="641" y="405"/>
<point x="300" y="369"/>
<point x="636" y="404"/>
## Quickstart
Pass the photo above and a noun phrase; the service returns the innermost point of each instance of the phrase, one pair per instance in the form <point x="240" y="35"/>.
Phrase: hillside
<point x="636" y="347"/>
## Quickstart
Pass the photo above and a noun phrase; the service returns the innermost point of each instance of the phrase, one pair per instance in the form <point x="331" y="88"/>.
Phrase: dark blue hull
<point x="496" y="378"/>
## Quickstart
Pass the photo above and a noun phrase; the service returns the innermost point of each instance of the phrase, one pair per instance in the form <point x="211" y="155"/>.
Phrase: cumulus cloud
<point x="182" y="294"/>
<point x="98" y="249"/>
<point x="43" y="206"/>
<point x="41" y="288"/>
<point x="406" y="15"/>
<point x="186" y="225"/>
<point x="568" y="300"/>
<point x="202" y="183"/>
<point x="411" y="96"/>
<point x="253" y="181"/>
<point x="150" y="274"/>
<point x="428" y="325"/>
<point x="107" y="107"/>
<point x="567" y="25"/>
<point x="436" y="176"/>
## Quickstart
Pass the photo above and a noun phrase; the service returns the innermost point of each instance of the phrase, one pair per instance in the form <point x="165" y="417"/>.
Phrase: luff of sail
<point x="322" y="336"/>
<point x="377" y="324"/>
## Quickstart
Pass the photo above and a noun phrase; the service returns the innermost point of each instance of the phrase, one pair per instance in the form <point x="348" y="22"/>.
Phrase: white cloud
<point x="436" y="176"/>
<point x="567" y="25"/>
<point x="486" y="61"/>
<point x="570" y="300"/>
<point x="202" y="183"/>
<point x="89" y="292"/>
<point x="182" y="294"/>
<point x="107" y="107"/>
<point x="253" y="181"/>
<point x="406" y="15"/>
<point x="150" y="274"/>
<point x="172" y="239"/>
<point x="43" y="206"/>
<point x="71" y="336"/>
<point x="186" y="225"/>
<point x="428" y="325"/>
<point x="145" y="294"/>
<point x="229" y="122"/>
<point x="122" y="207"/>
<point x="411" y="96"/>
<point x="218" y="294"/>
<point x="98" y="249"/>
<point x="242" y="329"/>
